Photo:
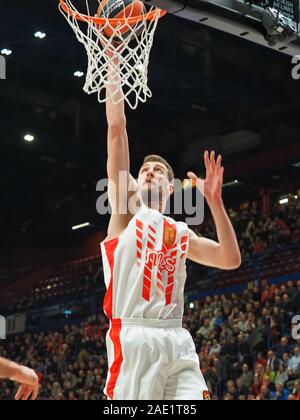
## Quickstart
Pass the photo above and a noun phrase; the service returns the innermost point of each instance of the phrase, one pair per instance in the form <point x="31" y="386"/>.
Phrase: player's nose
<point x="150" y="173"/>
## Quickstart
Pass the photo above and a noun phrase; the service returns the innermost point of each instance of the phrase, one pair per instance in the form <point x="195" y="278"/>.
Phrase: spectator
<point x="281" y="393"/>
<point x="283" y="347"/>
<point x="282" y="375"/>
<point x="255" y="388"/>
<point x="273" y="362"/>
<point x="265" y="393"/>
<point x="294" y="362"/>
<point x="296" y="390"/>
<point x="247" y="376"/>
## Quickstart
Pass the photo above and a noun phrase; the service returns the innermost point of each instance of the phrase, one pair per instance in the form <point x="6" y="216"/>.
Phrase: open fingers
<point x="219" y="162"/>
<point x="20" y="393"/>
<point x="221" y="176"/>
<point x="212" y="161"/>
<point x="35" y="393"/>
<point x="207" y="162"/>
<point x="192" y="175"/>
<point x="27" y="393"/>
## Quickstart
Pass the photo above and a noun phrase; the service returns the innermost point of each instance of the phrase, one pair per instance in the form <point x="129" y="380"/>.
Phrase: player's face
<point x="154" y="176"/>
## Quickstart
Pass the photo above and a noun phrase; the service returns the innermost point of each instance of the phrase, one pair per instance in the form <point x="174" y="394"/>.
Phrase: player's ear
<point x="171" y="189"/>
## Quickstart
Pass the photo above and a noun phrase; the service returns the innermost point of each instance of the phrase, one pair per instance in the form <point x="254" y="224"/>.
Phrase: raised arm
<point x="117" y="140"/>
<point x="118" y="161"/>
<point x="224" y="254"/>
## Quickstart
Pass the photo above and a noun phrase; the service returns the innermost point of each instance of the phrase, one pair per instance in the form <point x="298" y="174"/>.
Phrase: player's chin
<point x="148" y="186"/>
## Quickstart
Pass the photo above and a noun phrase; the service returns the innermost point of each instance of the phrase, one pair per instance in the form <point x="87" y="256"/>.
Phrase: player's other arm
<point x="224" y="254"/>
<point x="27" y="378"/>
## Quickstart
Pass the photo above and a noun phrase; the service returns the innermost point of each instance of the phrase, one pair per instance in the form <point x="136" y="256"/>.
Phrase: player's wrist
<point x="13" y="371"/>
<point x="215" y="203"/>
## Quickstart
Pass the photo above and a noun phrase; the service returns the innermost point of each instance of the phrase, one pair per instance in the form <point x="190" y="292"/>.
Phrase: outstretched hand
<point x="211" y="187"/>
<point x="29" y="383"/>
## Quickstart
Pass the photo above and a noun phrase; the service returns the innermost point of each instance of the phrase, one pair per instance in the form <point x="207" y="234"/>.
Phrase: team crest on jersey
<point x="206" y="395"/>
<point x="169" y="236"/>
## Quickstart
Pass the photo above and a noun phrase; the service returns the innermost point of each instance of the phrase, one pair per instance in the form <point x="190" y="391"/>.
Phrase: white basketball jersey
<point x="144" y="268"/>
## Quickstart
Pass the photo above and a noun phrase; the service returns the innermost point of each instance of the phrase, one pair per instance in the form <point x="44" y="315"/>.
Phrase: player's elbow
<point x="233" y="264"/>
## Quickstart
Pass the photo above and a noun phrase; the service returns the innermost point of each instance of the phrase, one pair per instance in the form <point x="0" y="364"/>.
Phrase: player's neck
<point x="156" y="205"/>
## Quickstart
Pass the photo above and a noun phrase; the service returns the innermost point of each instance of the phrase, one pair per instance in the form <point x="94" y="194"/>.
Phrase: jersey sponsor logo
<point x="160" y="260"/>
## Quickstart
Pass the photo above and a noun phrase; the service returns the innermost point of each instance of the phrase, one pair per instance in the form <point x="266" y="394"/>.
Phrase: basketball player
<point x="150" y="355"/>
<point x="27" y="378"/>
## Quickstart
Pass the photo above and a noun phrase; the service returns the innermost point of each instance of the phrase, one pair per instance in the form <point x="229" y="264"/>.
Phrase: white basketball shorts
<point x="152" y="360"/>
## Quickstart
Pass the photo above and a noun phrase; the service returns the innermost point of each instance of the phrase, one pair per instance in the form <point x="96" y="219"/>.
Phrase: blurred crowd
<point x="71" y="364"/>
<point x="244" y="343"/>
<point x="258" y="233"/>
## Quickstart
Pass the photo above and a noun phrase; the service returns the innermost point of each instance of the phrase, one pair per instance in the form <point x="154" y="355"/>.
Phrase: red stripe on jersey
<point x="152" y="229"/>
<point x="139" y="224"/>
<point x="151" y="237"/>
<point x="147" y="272"/>
<point x="115" y="331"/>
<point x="184" y="239"/>
<point x="169" y="289"/>
<point x="147" y="283"/>
<point x="110" y="248"/>
<point x="146" y="292"/>
<point x="139" y="234"/>
<point x="159" y="285"/>
<point x="150" y="245"/>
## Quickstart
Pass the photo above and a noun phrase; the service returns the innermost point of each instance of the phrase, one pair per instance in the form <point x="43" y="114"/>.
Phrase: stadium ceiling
<point x="241" y="18"/>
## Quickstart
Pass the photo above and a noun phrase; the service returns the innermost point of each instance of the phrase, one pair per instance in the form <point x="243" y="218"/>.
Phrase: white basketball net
<point x="132" y="53"/>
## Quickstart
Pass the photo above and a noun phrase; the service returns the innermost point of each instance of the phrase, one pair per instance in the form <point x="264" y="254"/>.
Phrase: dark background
<point x="210" y="91"/>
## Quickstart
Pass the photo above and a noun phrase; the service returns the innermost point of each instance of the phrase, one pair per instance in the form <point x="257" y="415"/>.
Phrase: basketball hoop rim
<point x="113" y="22"/>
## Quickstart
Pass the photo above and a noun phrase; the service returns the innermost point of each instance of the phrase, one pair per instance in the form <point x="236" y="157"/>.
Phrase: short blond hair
<point x="157" y="158"/>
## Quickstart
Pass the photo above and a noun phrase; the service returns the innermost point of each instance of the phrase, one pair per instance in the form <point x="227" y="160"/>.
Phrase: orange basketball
<point x="113" y="9"/>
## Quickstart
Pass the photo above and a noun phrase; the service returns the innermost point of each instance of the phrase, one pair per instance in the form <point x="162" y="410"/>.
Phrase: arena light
<point x="40" y="35"/>
<point x="6" y="51"/>
<point x="284" y="201"/>
<point x="68" y="313"/>
<point x="83" y="225"/>
<point x="29" y="137"/>
<point x="192" y="306"/>
<point x="230" y="184"/>
<point x="78" y="73"/>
